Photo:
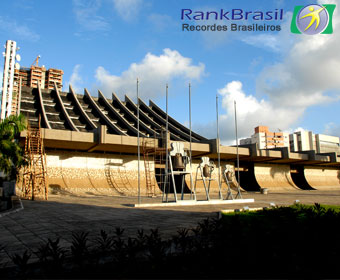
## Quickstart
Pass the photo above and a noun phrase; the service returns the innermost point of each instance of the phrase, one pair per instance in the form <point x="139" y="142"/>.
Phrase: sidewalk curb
<point x="14" y="209"/>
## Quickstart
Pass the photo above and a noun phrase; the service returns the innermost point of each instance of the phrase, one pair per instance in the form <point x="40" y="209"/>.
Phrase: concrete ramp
<point x="323" y="178"/>
<point x="275" y="177"/>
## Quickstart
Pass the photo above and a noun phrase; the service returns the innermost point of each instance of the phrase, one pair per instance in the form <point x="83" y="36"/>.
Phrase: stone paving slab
<point x="62" y="215"/>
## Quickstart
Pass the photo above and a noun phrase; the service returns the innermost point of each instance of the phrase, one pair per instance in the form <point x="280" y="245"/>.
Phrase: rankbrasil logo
<point x="313" y="19"/>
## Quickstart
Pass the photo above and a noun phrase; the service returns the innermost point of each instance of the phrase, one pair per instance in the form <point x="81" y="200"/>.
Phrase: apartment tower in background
<point x="16" y="77"/>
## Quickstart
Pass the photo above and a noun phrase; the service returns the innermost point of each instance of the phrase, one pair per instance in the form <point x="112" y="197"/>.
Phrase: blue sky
<point x="283" y="80"/>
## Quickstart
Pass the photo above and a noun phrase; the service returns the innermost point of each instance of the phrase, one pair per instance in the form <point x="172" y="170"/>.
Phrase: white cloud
<point x="255" y="62"/>
<point x="307" y="76"/>
<point x="212" y="39"/>
<point x="24" y="5"/>
<point x="299" y="129"/>
<point x="309" y="71"/>
<point x="161" y="23"/>
<point x="266" y="41"/>
<point x="153" y="73"/>
<point x="76" y="80"/>
<point x="332" y="129"/>
<point x="127" y="9"/>
<point x="280" y="41"/>
<point x="251" y="112"/>
<point x="18" y="30"/>
<point x="277" y="41"/>
<point x="87" y="17"/>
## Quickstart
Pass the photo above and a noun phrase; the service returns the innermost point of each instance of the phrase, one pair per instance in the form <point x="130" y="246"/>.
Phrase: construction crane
<point x="36" y="61"/>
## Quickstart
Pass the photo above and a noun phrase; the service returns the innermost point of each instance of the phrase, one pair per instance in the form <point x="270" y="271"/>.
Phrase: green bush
<point x="11" y="154"/>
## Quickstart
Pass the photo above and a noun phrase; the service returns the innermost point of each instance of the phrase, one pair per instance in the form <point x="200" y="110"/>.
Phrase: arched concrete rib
<point x="102" y="115"/>
<point x="175" y="123"/>
<point x="63" y="109"/>
<point x="80" y="108"/>
<point x="132" y="116"/>
<point x="173" y="130"/>
<point x="154" y="125"/>
<point x="122" y="121"/>
<point x="141" y="113"/>
<point x="41" y="101"/>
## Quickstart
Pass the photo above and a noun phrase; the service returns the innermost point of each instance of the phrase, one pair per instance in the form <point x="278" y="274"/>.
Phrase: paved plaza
<point x="61" y="215"/>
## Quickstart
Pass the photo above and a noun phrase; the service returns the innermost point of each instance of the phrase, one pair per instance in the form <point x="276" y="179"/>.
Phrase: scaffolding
<point x="154" y="162"/>
<point x="158" y="153"/>
<point x="34" y="185"/>
<point x="160" y="174"/>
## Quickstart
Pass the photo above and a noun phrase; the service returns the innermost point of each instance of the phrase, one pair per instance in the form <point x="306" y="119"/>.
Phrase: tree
<point x="11" y="154"/>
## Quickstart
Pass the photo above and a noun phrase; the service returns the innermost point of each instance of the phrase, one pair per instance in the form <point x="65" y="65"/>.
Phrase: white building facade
<point x="8" y="78"/>
<point x="320" y="143"/>
<point x="266" y="139"/>
<point x="297" y="142"/>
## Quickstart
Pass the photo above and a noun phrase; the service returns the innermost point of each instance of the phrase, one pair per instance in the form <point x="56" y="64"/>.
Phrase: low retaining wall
<point x="94" y="174"/>
<point x="108" y="174"/>
<point x="82" y="173"/>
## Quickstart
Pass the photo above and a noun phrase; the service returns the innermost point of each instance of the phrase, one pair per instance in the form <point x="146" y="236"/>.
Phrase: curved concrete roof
<point x="84" y="113"/>
<point x="82" y="122"/>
